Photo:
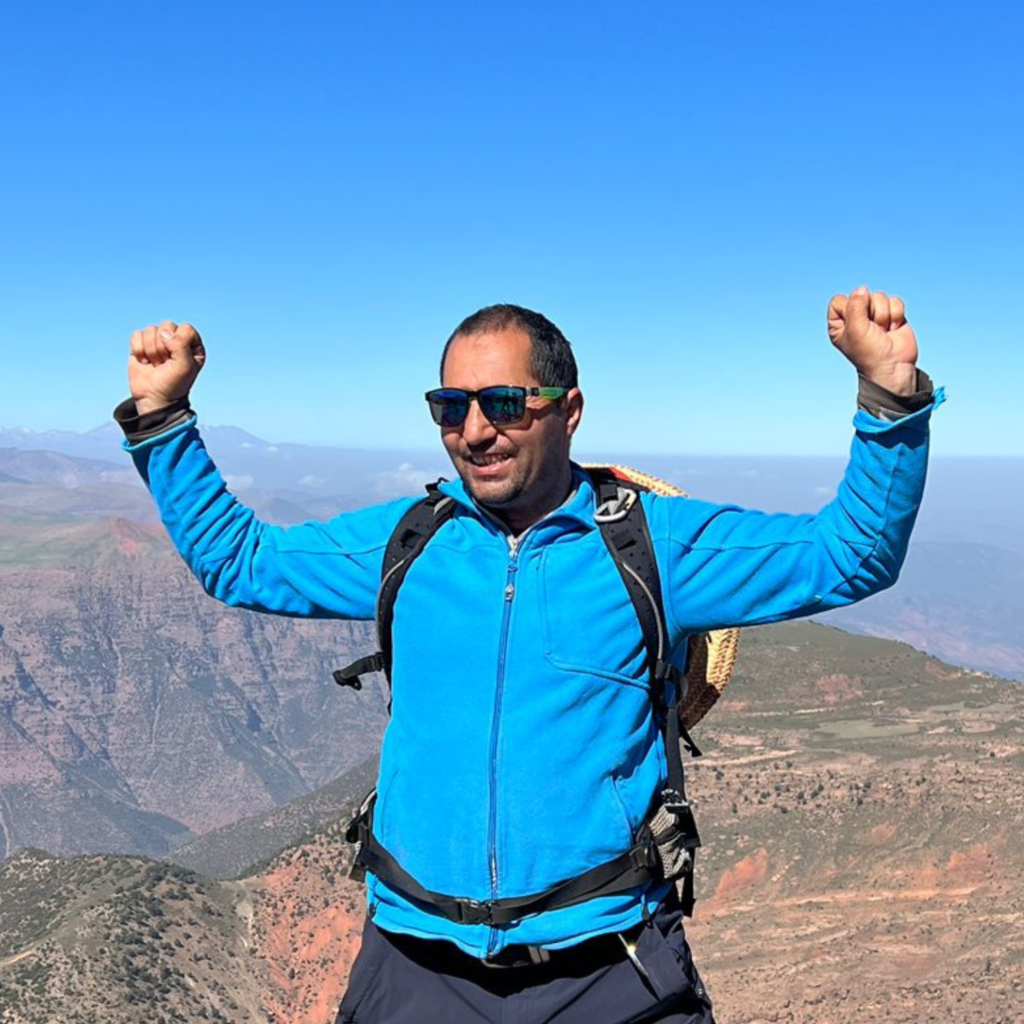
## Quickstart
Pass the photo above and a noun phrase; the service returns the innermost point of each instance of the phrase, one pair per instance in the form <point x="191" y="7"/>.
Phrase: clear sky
<point x="326" y="188"/>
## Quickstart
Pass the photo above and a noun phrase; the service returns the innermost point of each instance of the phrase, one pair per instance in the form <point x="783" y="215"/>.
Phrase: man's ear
<point x="573" y="409"/>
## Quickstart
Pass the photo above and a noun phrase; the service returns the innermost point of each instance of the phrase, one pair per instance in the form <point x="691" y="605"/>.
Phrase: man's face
<point x="520" y="472"/>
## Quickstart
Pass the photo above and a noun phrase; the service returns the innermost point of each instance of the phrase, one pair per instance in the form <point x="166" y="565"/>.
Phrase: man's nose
<point x="477" y="429"/>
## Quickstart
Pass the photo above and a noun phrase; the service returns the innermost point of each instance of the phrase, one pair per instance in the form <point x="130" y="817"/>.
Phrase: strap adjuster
<point x="675" y="803"/>
<point x="349" y="675"/>
<point x="615" y="509"/>
<point x="644" y="855"/>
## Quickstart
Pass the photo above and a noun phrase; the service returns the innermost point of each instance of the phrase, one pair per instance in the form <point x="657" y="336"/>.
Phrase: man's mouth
<point x="488" y="459"/>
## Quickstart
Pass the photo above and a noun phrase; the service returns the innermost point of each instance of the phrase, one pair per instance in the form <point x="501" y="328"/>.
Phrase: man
<point x="523" y="750"/>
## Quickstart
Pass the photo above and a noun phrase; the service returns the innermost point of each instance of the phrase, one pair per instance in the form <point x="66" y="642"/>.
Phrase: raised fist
<point x="164" y="364"/>
<point x="871" y="330"/>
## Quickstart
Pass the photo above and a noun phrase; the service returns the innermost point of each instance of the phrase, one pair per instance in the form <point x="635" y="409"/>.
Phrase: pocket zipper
<point x="630" y="948"/>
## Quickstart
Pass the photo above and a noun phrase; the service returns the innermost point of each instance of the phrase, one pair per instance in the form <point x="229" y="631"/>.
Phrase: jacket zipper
<point x="492" y="825"/>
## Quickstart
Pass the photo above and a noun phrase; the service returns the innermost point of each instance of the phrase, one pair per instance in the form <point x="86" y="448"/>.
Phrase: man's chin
<point x="490" y="493"/>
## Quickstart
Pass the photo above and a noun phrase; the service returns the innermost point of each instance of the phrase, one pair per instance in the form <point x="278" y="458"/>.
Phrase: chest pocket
<point x="589" y="622"/>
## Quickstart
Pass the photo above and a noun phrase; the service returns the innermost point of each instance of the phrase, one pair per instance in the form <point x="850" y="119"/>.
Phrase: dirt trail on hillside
<point x="16" y="958"/>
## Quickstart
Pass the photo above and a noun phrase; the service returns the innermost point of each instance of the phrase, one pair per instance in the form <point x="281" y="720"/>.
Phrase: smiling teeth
<point x="488" y="460"/>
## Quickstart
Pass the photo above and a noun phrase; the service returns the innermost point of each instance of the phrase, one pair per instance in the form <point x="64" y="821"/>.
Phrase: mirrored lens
<point x="502" y="405"/>
<point x="448" y="406"/>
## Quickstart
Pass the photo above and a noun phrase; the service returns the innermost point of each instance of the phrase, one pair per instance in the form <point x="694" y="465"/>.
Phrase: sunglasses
<point x="502" y="404"/>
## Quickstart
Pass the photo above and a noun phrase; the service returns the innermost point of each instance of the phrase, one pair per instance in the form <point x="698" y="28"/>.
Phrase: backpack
<point x="665" y="847"/>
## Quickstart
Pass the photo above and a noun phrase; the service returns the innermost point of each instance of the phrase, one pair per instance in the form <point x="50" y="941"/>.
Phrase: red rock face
<point x="308" y="926"/>
<point x="838" y="688"/>
<point x="742" y="875"/>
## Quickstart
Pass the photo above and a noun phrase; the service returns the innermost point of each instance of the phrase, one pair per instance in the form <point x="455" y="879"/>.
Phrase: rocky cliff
<point x="136" y="712"/>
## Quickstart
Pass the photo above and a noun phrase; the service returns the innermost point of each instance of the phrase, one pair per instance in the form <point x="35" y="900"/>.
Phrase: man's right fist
<point x="164" y="364"/>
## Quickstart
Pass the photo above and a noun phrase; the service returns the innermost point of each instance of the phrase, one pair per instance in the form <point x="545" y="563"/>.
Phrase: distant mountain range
<point x="860" y="806"/>
<point x="969" y="499"/>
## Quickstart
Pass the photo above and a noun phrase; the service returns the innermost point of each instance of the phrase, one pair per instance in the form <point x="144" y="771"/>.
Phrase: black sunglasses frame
<point x="503" y="405"/>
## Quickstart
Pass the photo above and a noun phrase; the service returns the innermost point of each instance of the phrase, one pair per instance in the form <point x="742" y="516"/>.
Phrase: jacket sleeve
<point x="725" y="566"/>
<point x="319" y="570"/>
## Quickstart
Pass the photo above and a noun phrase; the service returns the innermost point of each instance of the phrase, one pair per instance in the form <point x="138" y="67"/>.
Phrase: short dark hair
<point x="551" y="358"/>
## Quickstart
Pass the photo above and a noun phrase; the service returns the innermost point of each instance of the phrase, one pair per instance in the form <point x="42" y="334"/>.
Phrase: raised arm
<point x="317" y="569"/>
<point x="729" y="566"/>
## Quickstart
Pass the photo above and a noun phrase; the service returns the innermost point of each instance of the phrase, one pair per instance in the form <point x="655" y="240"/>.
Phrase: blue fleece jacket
<point x="522" y="748"/>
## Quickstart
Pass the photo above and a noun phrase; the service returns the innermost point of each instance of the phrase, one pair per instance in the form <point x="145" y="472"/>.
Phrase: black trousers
<point x="399" y="979"/>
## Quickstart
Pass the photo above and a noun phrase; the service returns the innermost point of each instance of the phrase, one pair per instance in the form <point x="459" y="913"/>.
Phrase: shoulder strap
<point x="408" y="539"/>
<point x="623" y="523"/>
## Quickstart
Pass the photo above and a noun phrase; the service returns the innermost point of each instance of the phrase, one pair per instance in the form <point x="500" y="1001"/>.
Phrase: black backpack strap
<point x="408" y="539"/>
<point x="623" y="523"/>
<point x="636" y="868"/>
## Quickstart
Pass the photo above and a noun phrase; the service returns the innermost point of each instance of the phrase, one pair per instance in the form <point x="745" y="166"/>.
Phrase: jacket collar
<point x="577" y="509"/>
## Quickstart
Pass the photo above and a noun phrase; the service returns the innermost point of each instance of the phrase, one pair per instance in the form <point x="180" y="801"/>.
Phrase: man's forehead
<point x="501" y="356"/>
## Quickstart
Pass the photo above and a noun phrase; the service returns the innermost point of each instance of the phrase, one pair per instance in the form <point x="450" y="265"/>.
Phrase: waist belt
<point x="639" y="867"/>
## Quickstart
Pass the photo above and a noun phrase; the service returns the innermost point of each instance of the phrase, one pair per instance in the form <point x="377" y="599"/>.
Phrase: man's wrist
<point x="139" y="426"/>
<point x="884" y="404"/>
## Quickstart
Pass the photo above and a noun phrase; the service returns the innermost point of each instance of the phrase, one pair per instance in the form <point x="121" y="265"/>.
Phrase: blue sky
<point x="325" y="189"/>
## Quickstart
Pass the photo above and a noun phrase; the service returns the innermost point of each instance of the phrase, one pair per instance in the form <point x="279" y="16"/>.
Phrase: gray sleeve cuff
<point x="140" y="427"/>
<point x="883" y="404"/>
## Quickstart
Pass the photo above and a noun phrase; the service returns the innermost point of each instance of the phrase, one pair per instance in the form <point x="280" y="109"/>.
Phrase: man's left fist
<point x="871" y="330"/>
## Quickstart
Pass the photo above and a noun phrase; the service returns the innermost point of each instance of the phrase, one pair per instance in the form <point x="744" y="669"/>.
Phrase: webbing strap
<point x="349" y="675"/>
<point x="637" y="867"/>
<point x="408" y="539"/>
<point x="629" y="542"/>
<point x="626" y="533"/>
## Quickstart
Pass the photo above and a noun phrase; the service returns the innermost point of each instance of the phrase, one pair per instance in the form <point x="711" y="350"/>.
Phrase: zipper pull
<point x="510" y="591"/>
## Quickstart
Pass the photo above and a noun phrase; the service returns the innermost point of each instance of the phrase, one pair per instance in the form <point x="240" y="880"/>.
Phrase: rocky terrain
<point x="136" y="713"/>
<point x="860" y="805"/>
<point x="227" y="852"/>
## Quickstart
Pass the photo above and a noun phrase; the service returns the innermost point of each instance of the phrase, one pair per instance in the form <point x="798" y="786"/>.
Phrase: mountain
<point x="48" y="467"/>
<point x="100" y="443"/>
<point x="961" y="602"/>
<point x="106" y="939"/>
<point x="335" y="477"/>
<point x="42" y="492"/>
<point x="229" y="851"/>
<point x="110" y="939"/>
<point x="860" y="806"/>
<point x="136" y="713"/>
